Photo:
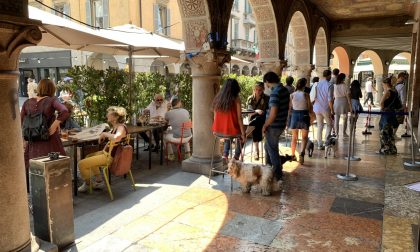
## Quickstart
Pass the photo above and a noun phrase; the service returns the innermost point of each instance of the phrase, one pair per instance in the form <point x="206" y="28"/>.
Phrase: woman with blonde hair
<point x="48" y="104"/>
<point x="116" y="116"/>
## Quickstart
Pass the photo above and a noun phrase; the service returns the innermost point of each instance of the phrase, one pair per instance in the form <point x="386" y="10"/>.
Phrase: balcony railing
<point x="249" y="19"/>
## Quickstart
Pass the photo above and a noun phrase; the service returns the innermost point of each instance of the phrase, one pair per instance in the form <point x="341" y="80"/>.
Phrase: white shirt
<point x="32" y="86"/>
<point x="400" y="87"/>
<point x="368" y="86"/>
<point x="299" y="101"/>
<point x="154" y="112"/>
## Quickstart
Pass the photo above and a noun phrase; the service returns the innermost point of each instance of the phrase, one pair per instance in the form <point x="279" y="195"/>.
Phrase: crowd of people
<point x="288" y="106"/>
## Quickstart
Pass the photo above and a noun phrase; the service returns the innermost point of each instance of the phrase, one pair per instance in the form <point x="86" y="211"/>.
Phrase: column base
<point x="201" y="165"/>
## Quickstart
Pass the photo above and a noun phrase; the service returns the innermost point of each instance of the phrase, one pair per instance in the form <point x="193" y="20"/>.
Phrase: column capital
<point x="274" y="66"/>
<point x="16" y="36"/>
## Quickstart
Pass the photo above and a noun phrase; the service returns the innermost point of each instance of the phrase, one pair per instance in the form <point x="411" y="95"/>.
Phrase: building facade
<point x="159" y="16"/>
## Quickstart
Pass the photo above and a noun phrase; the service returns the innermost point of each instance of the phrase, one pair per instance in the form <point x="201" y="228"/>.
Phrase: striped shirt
<point x="279" y="98"/>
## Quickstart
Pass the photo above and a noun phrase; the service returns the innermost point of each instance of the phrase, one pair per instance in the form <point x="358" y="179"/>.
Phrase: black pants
<point x="369" y="96"/>
<point x="156" y="136"/>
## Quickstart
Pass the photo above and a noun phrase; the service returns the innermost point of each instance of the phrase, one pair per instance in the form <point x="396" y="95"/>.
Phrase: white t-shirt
<point x="368" y="86"/>
<point x="155" y="112"/>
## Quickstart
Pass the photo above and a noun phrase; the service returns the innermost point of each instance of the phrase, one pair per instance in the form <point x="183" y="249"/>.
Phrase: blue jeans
<point x="226" y="149"/>
<point x="272" y="157"/>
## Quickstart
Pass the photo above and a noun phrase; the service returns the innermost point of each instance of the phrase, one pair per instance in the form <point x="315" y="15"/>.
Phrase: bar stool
<point x="224" y="171"/>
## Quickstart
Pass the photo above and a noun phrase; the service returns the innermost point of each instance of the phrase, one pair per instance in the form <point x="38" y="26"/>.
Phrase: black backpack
<point x="35" y="126"/>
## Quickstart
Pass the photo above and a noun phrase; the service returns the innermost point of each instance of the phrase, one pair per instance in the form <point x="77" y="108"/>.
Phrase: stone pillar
<point x="415" y="90"/>
<point x="17" y="32"/>
<point x="275" y="66"/>
<point x="206" y="73"/>
<point x="380" y="90"/>
<point x="303" y="71"/>
<point x="319" y="70"/>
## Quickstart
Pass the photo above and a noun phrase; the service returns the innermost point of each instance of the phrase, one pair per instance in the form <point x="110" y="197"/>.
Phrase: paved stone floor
<point x="176" y="211"/>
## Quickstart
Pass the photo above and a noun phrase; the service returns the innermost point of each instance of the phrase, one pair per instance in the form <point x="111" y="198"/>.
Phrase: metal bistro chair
<point x="224" y="171"/>
<point x="185" y="126"/>
<point x="106" y="172"/>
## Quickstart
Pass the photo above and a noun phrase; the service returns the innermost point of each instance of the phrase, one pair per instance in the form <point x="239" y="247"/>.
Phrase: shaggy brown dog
<point x="253" y="174"/>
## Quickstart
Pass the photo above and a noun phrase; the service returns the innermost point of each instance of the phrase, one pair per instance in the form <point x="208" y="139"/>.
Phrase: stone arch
<point x="158" y="66"/>
<point x="266" y="27"/>
<point x="340" y="59"/>
<point x="245" y="71"/>
<point x="236" y="70"/>
<point x="378" y="67"/>
<point x="396" y="70"/>
<point x="297" y="51"/>
<point x="320" y="54"/>
<point x="254" y="71"/>
<point x="102" y="61"/>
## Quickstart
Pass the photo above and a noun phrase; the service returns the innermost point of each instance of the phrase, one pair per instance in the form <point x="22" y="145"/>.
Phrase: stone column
<point x="415" y="86"/>
<point x="206" y="73"/>
<point x="275" y="66"/>
<point x="380" y="90"/>
<point x="17" y="32"/>
<point x="319" y="70"/>
<point x="304" y="71"/>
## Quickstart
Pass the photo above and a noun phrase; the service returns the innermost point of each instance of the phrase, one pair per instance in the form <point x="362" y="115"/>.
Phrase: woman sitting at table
<point x="116" y="117"/>
<point x="258" y="102"/>
<point x="70" y="124"/>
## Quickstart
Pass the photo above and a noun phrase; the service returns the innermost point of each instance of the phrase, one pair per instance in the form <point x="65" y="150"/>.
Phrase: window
<point x="162" y="19"/>
<point x="61" y="7"/>
<point x="235" y="28"/>
<point x="248" y="9"/>
<point x="97" y="12"/>
<point x="236" y="5"/>
<point x="247" y="33"/>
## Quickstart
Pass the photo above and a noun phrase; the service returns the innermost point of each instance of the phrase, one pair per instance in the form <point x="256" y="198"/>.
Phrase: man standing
<point x="335" y="73"/>
<point x="157" y="109"/>
<point x="369" y="88"/>
<point x="278" y="107"/>
<point x="289" y="84"/>
<point x="323" y="106"/>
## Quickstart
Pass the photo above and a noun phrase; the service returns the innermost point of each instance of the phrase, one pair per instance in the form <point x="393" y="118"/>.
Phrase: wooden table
<point x="74" y="143"/>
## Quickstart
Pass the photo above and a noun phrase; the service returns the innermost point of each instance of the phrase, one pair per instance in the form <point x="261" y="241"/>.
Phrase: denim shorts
<point x="299" y="120"/>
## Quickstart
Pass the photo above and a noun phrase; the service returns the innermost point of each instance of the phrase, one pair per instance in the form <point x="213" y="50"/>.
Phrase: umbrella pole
<point x="130" y="78"/>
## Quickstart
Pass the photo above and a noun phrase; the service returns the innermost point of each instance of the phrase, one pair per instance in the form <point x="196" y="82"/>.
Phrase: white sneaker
<point x="98" y="185"/>
<point x="83" y="188"/>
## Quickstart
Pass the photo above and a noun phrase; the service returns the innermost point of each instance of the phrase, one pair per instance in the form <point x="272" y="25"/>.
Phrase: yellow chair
<point x="105" y="169"/>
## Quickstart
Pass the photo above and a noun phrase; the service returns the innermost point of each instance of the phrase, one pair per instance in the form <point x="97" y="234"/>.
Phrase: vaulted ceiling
<point x="372" y="24"/>
<point x="356" y="9"/>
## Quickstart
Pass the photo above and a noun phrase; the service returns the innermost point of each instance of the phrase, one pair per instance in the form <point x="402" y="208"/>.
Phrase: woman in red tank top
<point x="227" y="113"/>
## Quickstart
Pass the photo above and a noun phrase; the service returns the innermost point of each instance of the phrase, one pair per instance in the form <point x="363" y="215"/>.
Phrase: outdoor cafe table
<point x="69" y="142"/>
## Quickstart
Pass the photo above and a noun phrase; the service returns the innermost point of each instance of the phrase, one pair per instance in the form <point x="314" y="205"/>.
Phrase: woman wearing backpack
<point x="46" y="103"/>
<point x="116" y="117"/>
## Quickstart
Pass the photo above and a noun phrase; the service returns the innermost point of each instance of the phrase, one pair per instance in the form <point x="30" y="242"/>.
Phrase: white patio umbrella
<point x="64" y="33"/>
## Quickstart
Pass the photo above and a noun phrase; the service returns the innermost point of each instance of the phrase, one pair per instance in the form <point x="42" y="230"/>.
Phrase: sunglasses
<point x="159" y="100"/>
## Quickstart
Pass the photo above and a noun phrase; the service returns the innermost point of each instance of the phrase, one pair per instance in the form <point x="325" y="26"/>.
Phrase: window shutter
<point x="168" y="22"/>
<point x="106" y="13"/>
<point x="156" y="18"/>
<point x="88" y="13"/>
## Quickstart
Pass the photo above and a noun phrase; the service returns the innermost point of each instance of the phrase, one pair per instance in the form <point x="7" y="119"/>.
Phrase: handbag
<point x="121" y="164"/>
<point x="312" y="116"/>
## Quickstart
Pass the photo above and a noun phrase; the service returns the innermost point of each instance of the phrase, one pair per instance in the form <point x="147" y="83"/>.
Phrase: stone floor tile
<point x="108" y="244"/>
<point x="250" y="228"/>
<point x="140" y="228"/>
<point x="205" y="217"/>
<point x="178" y="237"/>
<point x="357" y="208"/>
<point x="402" y="202"/>
<point x="246" y="204"/>
<point x="222" y="243"/>
<point x="394" y="237"/>
<point x="200" y="195"/>
<point x="172" y="209"/>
